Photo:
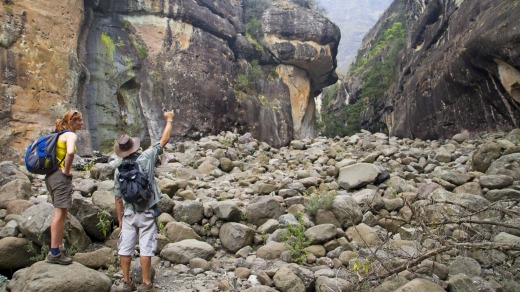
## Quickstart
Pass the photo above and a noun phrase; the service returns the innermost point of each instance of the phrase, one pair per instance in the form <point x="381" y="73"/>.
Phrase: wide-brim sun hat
<point x="126" y="145"/>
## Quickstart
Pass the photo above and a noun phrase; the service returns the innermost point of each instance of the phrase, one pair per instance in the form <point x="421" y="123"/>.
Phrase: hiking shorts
<point x="60" y="189"/>
<point x="138" y="225"/>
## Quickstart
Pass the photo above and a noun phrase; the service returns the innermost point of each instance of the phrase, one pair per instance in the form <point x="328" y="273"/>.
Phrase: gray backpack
<point x="134" y="185"/>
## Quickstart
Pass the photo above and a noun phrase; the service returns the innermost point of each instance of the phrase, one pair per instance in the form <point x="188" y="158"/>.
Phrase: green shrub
<point x="295" y="238"/>
<point x="38" y="253"/>
<point x="104" y="224"/>
<point x="248" y="81"/>
<point x="253" y="10"/>
<point x="319" y="200"/>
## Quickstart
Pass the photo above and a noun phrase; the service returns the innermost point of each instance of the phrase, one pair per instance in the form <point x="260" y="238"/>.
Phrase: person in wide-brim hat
<point x="126" y="145"/>
<point x="138" y="222"/>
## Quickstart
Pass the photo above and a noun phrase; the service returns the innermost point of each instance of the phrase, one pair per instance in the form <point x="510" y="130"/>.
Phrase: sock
<point x="55" y="251"/>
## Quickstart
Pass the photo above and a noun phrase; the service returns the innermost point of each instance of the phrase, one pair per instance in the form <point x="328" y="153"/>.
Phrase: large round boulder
<point x="51" y="277"/>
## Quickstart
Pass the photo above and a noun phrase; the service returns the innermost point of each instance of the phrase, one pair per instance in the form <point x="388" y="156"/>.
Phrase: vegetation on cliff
<point x="376" y="69"/>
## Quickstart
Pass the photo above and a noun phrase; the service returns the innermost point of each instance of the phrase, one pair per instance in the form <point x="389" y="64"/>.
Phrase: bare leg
<point x="125" y="266"/>
<point x="57" y="226"/>
<point x="146" y="263"/>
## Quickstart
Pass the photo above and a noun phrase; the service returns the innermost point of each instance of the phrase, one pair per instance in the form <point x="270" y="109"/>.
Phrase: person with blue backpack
<point x="136" y="195"/>
<point x="59" y="183"/>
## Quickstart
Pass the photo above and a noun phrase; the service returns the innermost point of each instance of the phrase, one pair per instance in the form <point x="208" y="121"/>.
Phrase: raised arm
<point x="168" y="116"/>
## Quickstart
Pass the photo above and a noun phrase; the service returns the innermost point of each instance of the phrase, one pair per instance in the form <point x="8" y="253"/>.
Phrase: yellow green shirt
<point x="61" y="152"/>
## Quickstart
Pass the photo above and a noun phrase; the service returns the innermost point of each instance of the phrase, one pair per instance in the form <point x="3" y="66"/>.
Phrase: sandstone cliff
<point x="459" y="69"/>
<point x="122" y="62"/>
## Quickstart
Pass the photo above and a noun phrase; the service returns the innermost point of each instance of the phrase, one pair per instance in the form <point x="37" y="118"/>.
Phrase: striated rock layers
<point x="122" y="62"/>
<point x="459" y="70"/>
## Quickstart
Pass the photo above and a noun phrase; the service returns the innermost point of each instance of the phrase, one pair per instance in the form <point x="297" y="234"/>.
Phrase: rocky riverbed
<point x="361" y="213"/>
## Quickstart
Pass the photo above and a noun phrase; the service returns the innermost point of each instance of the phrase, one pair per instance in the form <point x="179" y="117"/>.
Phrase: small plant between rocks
<point x="295" y="238"/>
<point x="104" y="224"/>
<point x="39" y="253"/>
<point x="319" y="200"/>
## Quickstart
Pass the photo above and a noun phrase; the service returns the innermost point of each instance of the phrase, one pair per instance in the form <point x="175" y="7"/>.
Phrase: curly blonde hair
<point x="68" y="117"/>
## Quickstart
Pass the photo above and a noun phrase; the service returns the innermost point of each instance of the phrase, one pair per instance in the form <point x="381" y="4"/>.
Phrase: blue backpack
<point x="40" y="157"/>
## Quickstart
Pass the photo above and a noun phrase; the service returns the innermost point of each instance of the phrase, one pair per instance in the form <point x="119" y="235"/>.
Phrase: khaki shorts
<point x="60" y="189"/>
<point x="138" y="225"/>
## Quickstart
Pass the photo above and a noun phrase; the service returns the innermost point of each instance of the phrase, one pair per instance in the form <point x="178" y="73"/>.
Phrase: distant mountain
<point x="354" y="18"/>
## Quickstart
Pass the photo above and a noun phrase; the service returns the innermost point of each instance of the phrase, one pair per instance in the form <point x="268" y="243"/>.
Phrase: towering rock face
<point x="460" y="70"/>
<point x="39" y="67"/>
<point x="122" y="62"/>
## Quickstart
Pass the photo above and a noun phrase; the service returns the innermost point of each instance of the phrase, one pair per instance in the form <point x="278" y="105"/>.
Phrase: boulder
<point x="15" y="254"/>
<point x="178" y="231"/>
<point x="183" y="251"/>
<point x="51" y="277"/>
<point x="98" y="259"/>
<point x="262" y="209"/>
<point x="35" y="225"/>
<point x="235" y="236"/>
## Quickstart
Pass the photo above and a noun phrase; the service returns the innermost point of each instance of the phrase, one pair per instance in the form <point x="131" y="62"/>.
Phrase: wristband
<point x="171" y="121"/>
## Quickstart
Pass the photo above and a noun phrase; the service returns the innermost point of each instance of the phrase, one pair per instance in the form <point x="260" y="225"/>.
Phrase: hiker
<point x="137" y="220"/>
<point x="59" y="184"/>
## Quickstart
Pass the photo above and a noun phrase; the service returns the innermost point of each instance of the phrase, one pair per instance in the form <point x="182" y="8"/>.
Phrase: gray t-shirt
<point x="147" y="162"/>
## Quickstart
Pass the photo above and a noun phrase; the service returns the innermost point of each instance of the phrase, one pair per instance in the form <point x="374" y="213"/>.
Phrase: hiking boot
<point x="126" y="287"/>
<point x="146" y="288"/>
<point x="60" y="258"/>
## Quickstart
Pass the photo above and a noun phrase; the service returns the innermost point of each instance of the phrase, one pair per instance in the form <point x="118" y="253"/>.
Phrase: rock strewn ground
<point x="379" y="213"/>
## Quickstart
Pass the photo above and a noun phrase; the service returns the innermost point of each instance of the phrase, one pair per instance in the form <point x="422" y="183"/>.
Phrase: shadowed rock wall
<point x="459" y="70"/>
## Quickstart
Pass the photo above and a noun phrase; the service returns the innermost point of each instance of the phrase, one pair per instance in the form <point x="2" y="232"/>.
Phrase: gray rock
<point x="51" y="277"/>
<point x="271" y="250"/>
<point x="102" y="171"/>
<point x="363" y="235"/>
<point x="190" y="212"/>
<point x="260" y="288"/>
<point x="105" y="201"/>
<point x="235" y="236"/>
<point x="330" y="283"/>
<point x="178" y="231"/>
<point x="98" y="259"/>
<point x="357" y="175"/>
<point x="17" y="189"/>
<point x="35" y="225"/>
<point x="183" y="251"/>
<point x="420" y="285"/>
<point x="391" y="284"/>
<point x="89" y="216"/>
<point x="227" y="211"/>
<point x="86" y="187"/>
<point x="470" y="187"/>
<point x="262" y="209"/>
<point x="461" y="282"/>
<point x="497" y="195"/>
<point x="291" y="277"/>
<point x="15" y="254"/>
<point x="10" y="229"/>
<point x="466" y="266"/>
<point x="495" y="181"/>
<point x="484" y="156"/>
<point x="321" y="233"/>
<point x="346" y="210"/>
<point x="506" y="238"/>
